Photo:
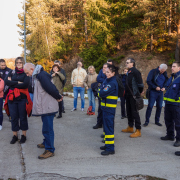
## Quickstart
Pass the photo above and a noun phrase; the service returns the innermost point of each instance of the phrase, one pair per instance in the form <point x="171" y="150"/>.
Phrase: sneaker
<point x="0" y="127"/>
<point x="145" y="124"/>
<point x="106" y="153"/>
<point x="97" y="126"/>
<point x="41" y="146"/>
<point x="14" y="139"/>
<point x="46" y="155"/>
<point x="23" y="139"/>
<point x="123" y="117"/>
<point x="82" y="109"/>
<point x="177" y="143"/>
<point x="158" y="124"/>
<point x="74" y="109"/>
<point x="166" y="138"/>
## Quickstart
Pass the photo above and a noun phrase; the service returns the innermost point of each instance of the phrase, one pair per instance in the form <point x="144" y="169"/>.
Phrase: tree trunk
<point x="170" y="17"/>
<point x="177" y="53"/>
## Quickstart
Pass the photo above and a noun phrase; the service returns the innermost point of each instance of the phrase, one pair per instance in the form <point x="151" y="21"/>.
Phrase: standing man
<point x="77" y="79"/>
<point x="156" y="80"/>
<point x="4" y="70"/>
<point x="63" y="81"/>
<point x="172" y="105"/>
<point x="134" y="84"/>
<point x="100" y="79"/>
<point x="45" y="104"/>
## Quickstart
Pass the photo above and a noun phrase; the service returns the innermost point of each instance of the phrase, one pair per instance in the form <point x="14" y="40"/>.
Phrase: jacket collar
<point x="175" y="75"/>
<point x="110" y="79"/>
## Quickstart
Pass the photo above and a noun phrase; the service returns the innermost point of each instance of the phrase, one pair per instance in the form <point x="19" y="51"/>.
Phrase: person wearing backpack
<point x="172" y="106"/>
<point x="90" y="78"/>
<point x="156" y="80"/>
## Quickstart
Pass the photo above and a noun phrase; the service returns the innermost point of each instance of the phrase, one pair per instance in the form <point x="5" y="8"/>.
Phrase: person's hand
<point x="142" y="93"/>
<point x="20" y="82"/>
<point x="87" y="88"/>
<point x="163" y="89"/>
<point x="9" y="78"/>
<point x="158" y="88"/>
<point x="73" y="85"/>
<point x="59" y="100"/>
<point x="53" y="74"/>
<point x="82" y="86"/>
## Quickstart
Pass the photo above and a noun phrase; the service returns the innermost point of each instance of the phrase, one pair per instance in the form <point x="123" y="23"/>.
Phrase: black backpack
<point x="121" y="89"/>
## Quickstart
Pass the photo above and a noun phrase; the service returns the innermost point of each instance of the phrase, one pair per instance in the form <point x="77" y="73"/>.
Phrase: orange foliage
<point x="46" y="64"/>
<point x="10" y="63"/>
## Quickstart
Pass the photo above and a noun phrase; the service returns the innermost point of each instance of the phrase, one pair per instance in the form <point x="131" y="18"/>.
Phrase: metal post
<point x="25" y="30"/>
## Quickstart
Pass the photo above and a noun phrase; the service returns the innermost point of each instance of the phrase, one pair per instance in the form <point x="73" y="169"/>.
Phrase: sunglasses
<point x="128" y="62"/>
<point x="18" y="62"/>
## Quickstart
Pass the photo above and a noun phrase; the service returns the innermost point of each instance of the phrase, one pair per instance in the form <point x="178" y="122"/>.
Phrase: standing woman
<point x="108" y="92"/>
<point x="1" y="100"/>
<point x="90" y="78"/>
<point x="58" y="79"/>
<point x="18" y="102"/>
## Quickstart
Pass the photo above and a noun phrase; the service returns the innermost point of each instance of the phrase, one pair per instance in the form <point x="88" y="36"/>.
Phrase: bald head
<point x="29" y="69"/>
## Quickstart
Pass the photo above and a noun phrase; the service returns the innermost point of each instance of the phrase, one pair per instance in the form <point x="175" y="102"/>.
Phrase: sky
<point x="9" y="36"/>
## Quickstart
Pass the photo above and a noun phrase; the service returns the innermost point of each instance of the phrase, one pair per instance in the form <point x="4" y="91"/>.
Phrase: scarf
<point x="19" y="71"/>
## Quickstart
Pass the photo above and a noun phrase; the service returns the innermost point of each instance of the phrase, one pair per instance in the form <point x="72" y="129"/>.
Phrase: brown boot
<point x="136" y="134"/>
<point x="128" y="130"/>
<point x="46" y="154"/>
<point x="41" y="145"/>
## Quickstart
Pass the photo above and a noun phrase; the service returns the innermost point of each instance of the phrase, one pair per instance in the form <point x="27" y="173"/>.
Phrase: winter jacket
<point x="89" y="79"/>
<point x="108" y="93"/>
<point x="78" y="76"/>
<point x="135" y="82"/>
<point x="172" y="95"/>
<point x="4" y="72"/>
<point x="58" y="81"/>
<point x="152" y="79"/>
<point x="1" y="88"/>
<point x="101" y="77"/>
<point x="45" y="93"/>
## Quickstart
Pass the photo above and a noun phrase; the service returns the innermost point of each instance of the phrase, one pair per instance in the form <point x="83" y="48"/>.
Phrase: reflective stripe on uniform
<point x="109" y="142"/>
<point x="109" y="136"/>
<point x="109" y="105"/>
<point x="171" y="100"/>
<point x="112" y="97"/>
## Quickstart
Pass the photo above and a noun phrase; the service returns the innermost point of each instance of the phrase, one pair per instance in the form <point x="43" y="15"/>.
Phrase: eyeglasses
<point x="18" y="62"/>
<point x="128" y="62"/>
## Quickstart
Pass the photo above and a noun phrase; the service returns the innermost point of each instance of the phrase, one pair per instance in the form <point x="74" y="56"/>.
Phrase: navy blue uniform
<point x="108" y="93"/>
<point x="172" y="106"/>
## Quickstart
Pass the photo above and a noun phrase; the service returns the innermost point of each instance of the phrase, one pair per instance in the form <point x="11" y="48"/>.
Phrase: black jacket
<point x="4" y="72"/>
<point x="135" y="82"/>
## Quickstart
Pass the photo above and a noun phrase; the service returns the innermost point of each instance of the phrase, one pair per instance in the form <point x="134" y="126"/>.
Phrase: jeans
<point x="158" y="97"/>
<point x="1" y="111"/>
<point x="17" y="109"/>
<point x="91" y="99"/>
<point x="123" y="109"/>
<point x="48" y="131"/>
<point x="80" y="90"/>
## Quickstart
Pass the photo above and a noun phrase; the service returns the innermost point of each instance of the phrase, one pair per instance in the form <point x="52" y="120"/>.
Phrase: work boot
<point x="23" y="139"/>
<point x="97" y="126"/>
<point x="166" y="138"/>
<point x="14" y="139"/>
<point x="136" y="134"/>
<point x="46" y="155"/>
<point x="128" y="130"/>
<point x="106" y="153"/>
<point x="177" y="143"/>
<point x="102" y="136"/>
<point x="41" y="146"/>
<point x="103" y="148"/>
<point x="177" y="153"/>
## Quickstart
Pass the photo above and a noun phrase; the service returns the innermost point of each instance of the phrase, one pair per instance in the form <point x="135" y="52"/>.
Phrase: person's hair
<point x="55" y="65"/>
<point x="28" y="66"/>
<point x="163" y="66"/>
<point x="91" y="67"/>
<point x="132" y="61"/>
<point x="21" y="59"/>
<point x="110" y="60"/>
<point x="177" y="62"/>
<point x="125" y="68"/>
<point x="113" y="68"/>
<point x="57" y="61"/>
<point x="2" y="60"/>
<point x="105" y="64"/>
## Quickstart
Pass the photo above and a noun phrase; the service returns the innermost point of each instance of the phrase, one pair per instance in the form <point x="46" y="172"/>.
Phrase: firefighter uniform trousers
<point x="172" y="106"/>
<point x="109" y="96"/>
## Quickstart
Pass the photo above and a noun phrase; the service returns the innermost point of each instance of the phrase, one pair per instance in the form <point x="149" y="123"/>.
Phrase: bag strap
<point x="172" y="82"/>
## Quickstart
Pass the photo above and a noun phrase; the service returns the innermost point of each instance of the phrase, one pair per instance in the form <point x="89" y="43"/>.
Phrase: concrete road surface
<point x="77" y="154"/>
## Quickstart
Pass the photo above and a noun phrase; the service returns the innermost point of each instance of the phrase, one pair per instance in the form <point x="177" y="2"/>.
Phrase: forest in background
<point x="95" y="30"/>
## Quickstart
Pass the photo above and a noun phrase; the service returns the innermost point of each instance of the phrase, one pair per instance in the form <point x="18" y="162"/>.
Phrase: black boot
<point x="14" y="139"/>
<point x="106" y="153"/>
<point x="60" y="116"/>
<point x="97" y="126"/>
<point x="177" y="143"/>
<point x="23" y="139"/>
<point x="103" y="148"/>
<point x="102" y="136"/>
<point x="166" y="138"/>
<point x="177" y="153"/>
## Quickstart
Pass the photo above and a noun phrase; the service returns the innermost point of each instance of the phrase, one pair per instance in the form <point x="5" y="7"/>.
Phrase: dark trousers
<point x="132" y="113"/>
<point x="48" y="132"/>
<point x="17" y="109"/>
<point x="108" y="125"/>
<point x="60" y="107"/>
<point x="100" y="114"/>
<point x="123" y="109"/>
<point x="172" y="120"/>
<point x="157" y="97"/>
<point x="1" y="111"/>
<point x="63" y="109"/>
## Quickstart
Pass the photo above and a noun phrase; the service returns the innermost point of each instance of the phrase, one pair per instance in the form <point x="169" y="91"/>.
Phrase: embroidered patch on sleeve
<point x="106" y="88"/>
